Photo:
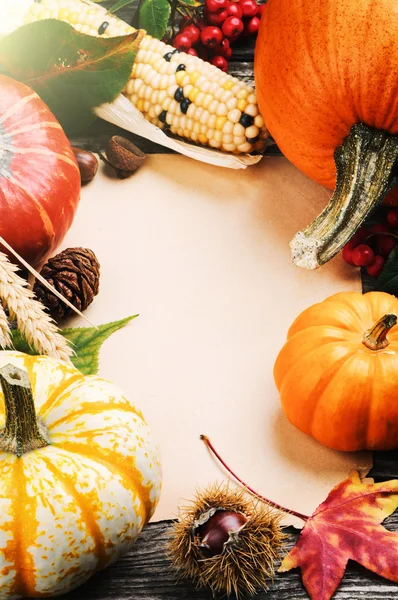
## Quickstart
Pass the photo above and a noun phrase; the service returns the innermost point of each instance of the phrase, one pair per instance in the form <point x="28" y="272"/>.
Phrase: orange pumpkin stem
<point x="376" y="337"/>
<point x="367" y="170"/>
<point x="23" y="432"/>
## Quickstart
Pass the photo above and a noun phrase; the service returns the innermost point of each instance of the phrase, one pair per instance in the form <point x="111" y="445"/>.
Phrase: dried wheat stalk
<point x="5" y="334"/>
<point x="38" y="328"/>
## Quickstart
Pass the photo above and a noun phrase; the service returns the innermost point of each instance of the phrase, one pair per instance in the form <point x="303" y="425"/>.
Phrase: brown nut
<point x="88" y="164"/>
<point x="124" y="156"/>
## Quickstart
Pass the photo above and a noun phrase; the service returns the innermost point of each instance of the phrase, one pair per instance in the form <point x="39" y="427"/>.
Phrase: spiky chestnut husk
<point x="249" y="537"/>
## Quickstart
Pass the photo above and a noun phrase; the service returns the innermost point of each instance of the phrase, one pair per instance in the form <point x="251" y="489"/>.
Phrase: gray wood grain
<point x="145" y="572"/>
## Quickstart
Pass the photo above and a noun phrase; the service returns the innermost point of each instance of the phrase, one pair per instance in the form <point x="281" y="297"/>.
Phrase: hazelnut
<point x="88" y="164"/>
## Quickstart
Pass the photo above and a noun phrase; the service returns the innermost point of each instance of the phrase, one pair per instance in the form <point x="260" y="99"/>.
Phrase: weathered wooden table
<point x="145" y="573"/>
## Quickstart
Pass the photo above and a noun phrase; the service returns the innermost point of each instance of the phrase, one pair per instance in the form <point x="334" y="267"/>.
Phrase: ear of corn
<point x="173" y="90"/>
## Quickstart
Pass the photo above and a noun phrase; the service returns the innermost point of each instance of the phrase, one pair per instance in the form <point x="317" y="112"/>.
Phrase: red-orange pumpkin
<point x="320" y="68"/>
<point x="39" y="176"/>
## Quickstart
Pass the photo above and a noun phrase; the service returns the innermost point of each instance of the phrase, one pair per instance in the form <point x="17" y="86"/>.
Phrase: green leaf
<point x="154" y="16"/>
<point x="19" y="343"/>
<point x="120" y="4"/>
<point x="388" y="278"/>
<point x="72" y="72"/>
<point x="86" y="342"/>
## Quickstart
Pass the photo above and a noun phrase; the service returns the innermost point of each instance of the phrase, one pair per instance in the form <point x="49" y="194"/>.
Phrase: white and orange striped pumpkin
<point x="74" y="505"/>
<point x="39" y="176"/>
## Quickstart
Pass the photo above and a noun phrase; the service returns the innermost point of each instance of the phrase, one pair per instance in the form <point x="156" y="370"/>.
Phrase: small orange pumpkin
<point x="327" y="87"/>
<point x="337" y="373"/>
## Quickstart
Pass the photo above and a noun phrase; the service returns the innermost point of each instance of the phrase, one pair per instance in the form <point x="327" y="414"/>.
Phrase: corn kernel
<point x="232" y="103"/>
<point x="227" y="139"/>
<point x="156" y="81"/>
<point x="193" y="95"/>
<point x="252" y="131"/>
<point x="222" y="110"/>
<point x="207" y="100"/>
<point x="229" y="147"/>
<point x="229" y="85"/>
<point x="164" y="82"/>
<point x="259" y="121"/>
<point x="234" y="115"/>
<point x="191" y="111"/>
<point x="242" y="93"/>
<point x="246" y="147"/>
<point x="186" y="80"/>
<point x="213" y="88"/>
<point x="228" y="127"/>
<point x="220" y="122"/>
<point x="194" y="76"/>
<point x="179" y="76"/>
<point x="239" y="139"/>
<point x="198" y="113"/>
<point x="242" y="103"/>
<point x="131" y="87"/>
<point x="217" y="136"/>
<point x="252" y="110"/>
<point x="212" y="121"/>
<point x="199" y="98"/>
<point x="204" y="118"/>
<point x="238" y="129"/>
<point x="202" y="138"/>
<point x="140" y="105"/>
<point x="213" y="106"/>
<point x="214" y="144"/>
<point x="187" y="90"/>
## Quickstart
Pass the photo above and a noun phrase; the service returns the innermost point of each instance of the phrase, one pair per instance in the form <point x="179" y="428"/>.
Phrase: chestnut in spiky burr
<point x="227" y="541"/>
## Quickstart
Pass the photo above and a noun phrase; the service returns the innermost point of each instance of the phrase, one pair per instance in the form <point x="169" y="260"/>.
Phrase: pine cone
<point x="74" y="273"/>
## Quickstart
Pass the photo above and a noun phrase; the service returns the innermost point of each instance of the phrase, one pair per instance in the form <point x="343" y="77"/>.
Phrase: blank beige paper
<point x="201" y="253"/>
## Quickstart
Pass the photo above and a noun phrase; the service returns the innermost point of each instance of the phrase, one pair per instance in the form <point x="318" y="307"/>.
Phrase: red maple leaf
<point x="347" y="526"/>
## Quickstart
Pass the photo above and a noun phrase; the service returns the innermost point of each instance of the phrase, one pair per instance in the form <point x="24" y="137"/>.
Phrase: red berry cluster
<point x="222" y="23"/>
<point x="371" y="247"/>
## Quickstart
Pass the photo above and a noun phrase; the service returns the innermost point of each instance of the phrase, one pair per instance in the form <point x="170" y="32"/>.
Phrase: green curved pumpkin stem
<point x="22" y="432"/>
<point x="375" y="338"/>
<point x="367" y="170"/>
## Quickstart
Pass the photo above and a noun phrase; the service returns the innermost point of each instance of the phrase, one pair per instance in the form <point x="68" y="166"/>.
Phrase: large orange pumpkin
<point x="39" y="176"/>
<point x="337" y="373"/>
<point x="323" y="68"/>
